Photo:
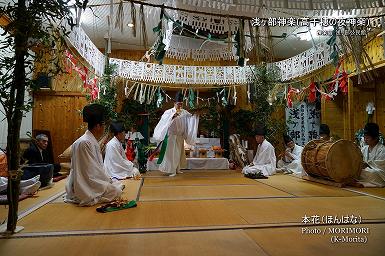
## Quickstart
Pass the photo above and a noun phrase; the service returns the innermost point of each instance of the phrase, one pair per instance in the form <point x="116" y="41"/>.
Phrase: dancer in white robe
<point x="290" y="161"/>
<point x="115" y="161"/>
<point x="88" y="182"/>
<point x="374" y="158"/>
<point x="175" y="126"/>
<point x="265" y="160"/>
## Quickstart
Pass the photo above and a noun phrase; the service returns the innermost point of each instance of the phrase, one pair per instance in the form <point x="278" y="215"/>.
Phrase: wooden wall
<point x="59" y="113"/>
<point x="346" y="114"/>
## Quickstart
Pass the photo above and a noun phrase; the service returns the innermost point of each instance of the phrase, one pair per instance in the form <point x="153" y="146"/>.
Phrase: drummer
<point x="373" y="174"/>
<point x="324" y="132"/>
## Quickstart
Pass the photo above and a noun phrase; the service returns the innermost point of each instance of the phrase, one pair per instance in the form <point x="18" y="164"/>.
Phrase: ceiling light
<point x="130" y="25"/>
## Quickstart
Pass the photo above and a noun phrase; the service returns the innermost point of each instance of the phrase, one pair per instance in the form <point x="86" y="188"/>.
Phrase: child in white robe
<point x="115" y="161"/>
<point x="373" y="175"/>
<point x="290" y="161"/>
<point x="88" y="182"/>
<point x="265" y="160"/>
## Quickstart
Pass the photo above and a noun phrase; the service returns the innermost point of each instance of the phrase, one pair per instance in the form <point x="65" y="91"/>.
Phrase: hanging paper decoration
<point x="235" y="96"/>
<point x="143" y="26"/>
<point x="191" y="98"/>
<point x="120" y="17"/>
<point x="240" y="43"/>
<point x="332" y="42"/>
<point x="133" y="18"/>
<point x="160" y="49"/>
<point x="159" y="100"/>
<point x="224" y="98"/>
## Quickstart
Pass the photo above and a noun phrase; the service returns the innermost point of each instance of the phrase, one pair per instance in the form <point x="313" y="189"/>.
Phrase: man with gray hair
<point x="37" y="153"/>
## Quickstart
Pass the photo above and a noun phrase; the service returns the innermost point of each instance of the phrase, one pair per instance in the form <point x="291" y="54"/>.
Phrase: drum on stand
<point x="339" y="161"/>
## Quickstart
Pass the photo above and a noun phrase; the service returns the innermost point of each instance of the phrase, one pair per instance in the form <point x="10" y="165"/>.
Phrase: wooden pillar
<point x="349" y="116"/>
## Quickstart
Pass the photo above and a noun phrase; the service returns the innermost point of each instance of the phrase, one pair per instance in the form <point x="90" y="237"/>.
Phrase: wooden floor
<point x="208" y="213"/>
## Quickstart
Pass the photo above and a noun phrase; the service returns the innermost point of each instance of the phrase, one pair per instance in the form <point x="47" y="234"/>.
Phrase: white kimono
<point x="293" y="164"/>
<point x="182" y="127"/>
<point x="264" y="160"/>
<point x="88" y="182"/>
<point x="116" y="163"/>
<point x="374" y="175"/>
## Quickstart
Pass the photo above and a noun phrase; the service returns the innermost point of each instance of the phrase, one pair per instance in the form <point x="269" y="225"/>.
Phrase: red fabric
<point x="59" y="178"/>
<point x="344" y="82"/>
<point x="94" y="89"/>
<point x="312" y="92"/>
<point x="290" y="97"/>
<point x="130" y="152"/>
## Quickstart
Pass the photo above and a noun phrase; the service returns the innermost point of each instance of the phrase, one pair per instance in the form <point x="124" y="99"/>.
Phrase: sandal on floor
<point x="114" y="206"/>
<point x="255" y="176"/>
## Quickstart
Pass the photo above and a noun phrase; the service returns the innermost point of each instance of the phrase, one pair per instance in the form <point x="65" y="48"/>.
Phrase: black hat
<point x="94" y="113"/>
<point x="287" y="138"/>
<point x="372" y="130"/>
<point x="116" y="127"/>
<point x="179" y="97"/>
<point x="324" y="129"/>
<point x="260" y="130"/>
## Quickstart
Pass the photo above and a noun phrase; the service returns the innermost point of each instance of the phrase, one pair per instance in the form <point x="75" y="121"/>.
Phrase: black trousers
<point x="44" y="170"/>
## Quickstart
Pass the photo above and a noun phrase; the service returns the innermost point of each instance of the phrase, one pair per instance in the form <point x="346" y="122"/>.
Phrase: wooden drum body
<point x="339" y="161"/>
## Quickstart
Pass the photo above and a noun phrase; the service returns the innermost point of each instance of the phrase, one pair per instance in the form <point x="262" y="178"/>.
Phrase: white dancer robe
<point x="182" y="127"/>
<point x="374" y="175"/>
<point x="116" y="163"/>
<point x="88" y="182"/>
<point x="292" y="164"/>
<point x="264" y="160"/>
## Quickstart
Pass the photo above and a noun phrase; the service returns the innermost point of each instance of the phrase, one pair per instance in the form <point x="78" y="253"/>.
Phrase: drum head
<point x="343" y="161"/>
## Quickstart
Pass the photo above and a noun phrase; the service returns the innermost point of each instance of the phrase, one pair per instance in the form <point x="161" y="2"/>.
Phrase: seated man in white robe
<point x="175" y="126"/>
<point x="374" y="158"/>
<point x="290" y="161"/>
<point x="265" y="160"/>
<point x="115" y="161"/>
<point x="88" y="182"/>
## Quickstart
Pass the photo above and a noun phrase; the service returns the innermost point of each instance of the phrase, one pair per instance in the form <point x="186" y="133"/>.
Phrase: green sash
<point x="162" y="150"/>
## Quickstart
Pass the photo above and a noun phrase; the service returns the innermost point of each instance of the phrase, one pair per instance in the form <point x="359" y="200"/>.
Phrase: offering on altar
<point x="218" y="151"/>
<point x="203" y="153"/>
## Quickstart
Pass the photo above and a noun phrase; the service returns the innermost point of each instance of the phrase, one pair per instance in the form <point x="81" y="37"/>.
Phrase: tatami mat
<point x="164" y="214"/>
<point x="198" y="173"/>
<point x="38" y="198"/>
<point x="188" y="180"/>
<point x="377" y="192"/>
<point x="145" y="215"/>
<point x="212" y="243"/>
<point x="258" y="190"/>
<point x="300" y="187"/>
<point x="291" y="210"/>
<point x="291" y="241"/>
<point x="176" y="215"/>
